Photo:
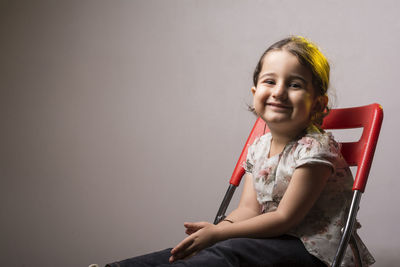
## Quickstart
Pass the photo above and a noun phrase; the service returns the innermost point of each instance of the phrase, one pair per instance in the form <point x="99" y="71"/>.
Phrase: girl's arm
<point x="304" y="189"/>
<point x="248" y="207"/>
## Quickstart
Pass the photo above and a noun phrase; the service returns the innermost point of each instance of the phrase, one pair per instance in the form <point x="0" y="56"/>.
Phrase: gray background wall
<point x="120" y="120"/>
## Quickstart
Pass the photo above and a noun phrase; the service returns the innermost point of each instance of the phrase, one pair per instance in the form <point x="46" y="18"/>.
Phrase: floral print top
<point x="320" y="229"/>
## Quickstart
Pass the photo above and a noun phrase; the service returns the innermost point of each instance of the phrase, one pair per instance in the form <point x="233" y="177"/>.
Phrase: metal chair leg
<point x="354" y="248"/>
<point x="225" y="203"/>
<point x="348" y="230"/>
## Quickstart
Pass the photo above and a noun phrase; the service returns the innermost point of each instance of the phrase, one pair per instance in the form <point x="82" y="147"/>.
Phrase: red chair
<point x="358" y="154"/>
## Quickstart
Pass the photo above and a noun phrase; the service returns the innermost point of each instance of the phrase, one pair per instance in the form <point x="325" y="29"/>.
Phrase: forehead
<point x="282" y="62"/>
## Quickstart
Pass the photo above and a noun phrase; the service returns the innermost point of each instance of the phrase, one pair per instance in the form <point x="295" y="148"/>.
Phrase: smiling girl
<point x="297" y="185"/>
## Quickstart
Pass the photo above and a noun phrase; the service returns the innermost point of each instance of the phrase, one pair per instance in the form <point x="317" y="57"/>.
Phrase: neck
<point x="281" y="139"/>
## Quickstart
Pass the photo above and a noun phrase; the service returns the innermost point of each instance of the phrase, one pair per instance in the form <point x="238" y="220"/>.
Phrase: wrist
<point x="221" y="233"/>
<point x="219" y="230"/>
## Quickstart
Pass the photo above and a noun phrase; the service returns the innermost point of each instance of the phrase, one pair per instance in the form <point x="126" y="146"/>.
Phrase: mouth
<point x="278" y="105"/>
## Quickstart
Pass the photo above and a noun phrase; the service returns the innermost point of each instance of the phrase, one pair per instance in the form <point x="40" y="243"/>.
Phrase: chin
<point x="275" y="118"/>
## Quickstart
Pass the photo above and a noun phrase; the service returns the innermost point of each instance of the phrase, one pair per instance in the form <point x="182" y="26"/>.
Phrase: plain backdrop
<point x="120" y="120"/>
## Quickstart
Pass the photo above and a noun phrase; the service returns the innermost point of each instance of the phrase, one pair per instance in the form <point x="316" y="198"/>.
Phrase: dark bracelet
<point x="227" y="220"/>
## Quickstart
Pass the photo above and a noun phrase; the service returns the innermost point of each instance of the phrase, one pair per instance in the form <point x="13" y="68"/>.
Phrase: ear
<point x="324" y="101"/>
<point x="320" y="103"/>
<point x="253" y="90"/>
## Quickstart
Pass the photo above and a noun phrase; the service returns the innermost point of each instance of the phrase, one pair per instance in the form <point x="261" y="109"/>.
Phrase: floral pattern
<point x="320" y="231"/>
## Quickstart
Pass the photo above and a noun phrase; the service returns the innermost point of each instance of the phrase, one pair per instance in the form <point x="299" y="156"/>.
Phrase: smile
<point x="279" y="105"/>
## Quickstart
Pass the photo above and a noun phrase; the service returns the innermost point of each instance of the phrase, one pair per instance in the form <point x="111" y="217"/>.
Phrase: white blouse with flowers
<point x="320" y="229"/>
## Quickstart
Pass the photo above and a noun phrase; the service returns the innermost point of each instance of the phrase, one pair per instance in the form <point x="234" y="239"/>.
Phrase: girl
<point x="297" y="185"/>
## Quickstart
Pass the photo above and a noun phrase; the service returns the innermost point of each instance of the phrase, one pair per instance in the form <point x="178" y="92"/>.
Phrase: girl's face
<point x="284" y="96"/>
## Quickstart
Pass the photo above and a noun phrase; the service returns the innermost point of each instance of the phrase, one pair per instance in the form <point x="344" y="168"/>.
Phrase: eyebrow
<point x="295" y="76"/>
<point x="292" y="76"/>
<point x="267" y="74"/>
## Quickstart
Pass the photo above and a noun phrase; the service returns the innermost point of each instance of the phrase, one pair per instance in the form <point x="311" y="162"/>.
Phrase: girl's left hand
<point x="202" y="235"/>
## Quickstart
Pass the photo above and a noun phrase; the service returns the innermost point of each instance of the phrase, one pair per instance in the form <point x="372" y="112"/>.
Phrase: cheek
<point x="304" y="102"/>
<point x="257" y="97"/>
<point x="262" y="93"/>
<point x="309" y="104"/>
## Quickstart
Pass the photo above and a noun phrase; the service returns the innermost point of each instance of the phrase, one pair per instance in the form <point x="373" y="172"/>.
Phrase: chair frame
<point x="358" y="154"/>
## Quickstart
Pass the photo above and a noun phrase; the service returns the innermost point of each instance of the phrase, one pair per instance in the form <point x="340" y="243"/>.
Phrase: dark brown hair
<point x="309" y="56"/>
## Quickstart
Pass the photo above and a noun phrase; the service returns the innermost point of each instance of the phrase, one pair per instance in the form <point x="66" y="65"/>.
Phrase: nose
<point x="279" y="91"/>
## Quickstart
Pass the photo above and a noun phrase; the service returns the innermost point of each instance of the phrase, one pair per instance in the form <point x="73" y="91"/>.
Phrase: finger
<point x="190" y="225"/>
<point x="187" y="253"/>
<point x="189" y="231"/>
<point x="191" y="228"/>
<point x="174" y="258"/>
<point x="195" y="226"/>
<point x="184" y="244"/>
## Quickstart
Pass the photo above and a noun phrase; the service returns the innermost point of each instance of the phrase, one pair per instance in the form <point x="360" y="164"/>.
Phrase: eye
<point x="269" y="81"/>
<point x="296" y="85"/>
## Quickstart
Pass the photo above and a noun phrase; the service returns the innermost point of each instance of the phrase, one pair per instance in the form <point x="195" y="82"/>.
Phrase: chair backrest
<point x="359" y="153"/>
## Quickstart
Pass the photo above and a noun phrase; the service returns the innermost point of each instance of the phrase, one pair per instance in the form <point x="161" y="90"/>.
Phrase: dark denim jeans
<point x="279" y="251"/>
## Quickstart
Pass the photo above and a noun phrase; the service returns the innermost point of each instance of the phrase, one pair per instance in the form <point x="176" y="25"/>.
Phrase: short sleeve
<point x="317" y="149"/>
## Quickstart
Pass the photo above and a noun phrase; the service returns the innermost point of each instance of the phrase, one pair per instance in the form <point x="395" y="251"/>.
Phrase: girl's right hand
<point x="204" y="235"/>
